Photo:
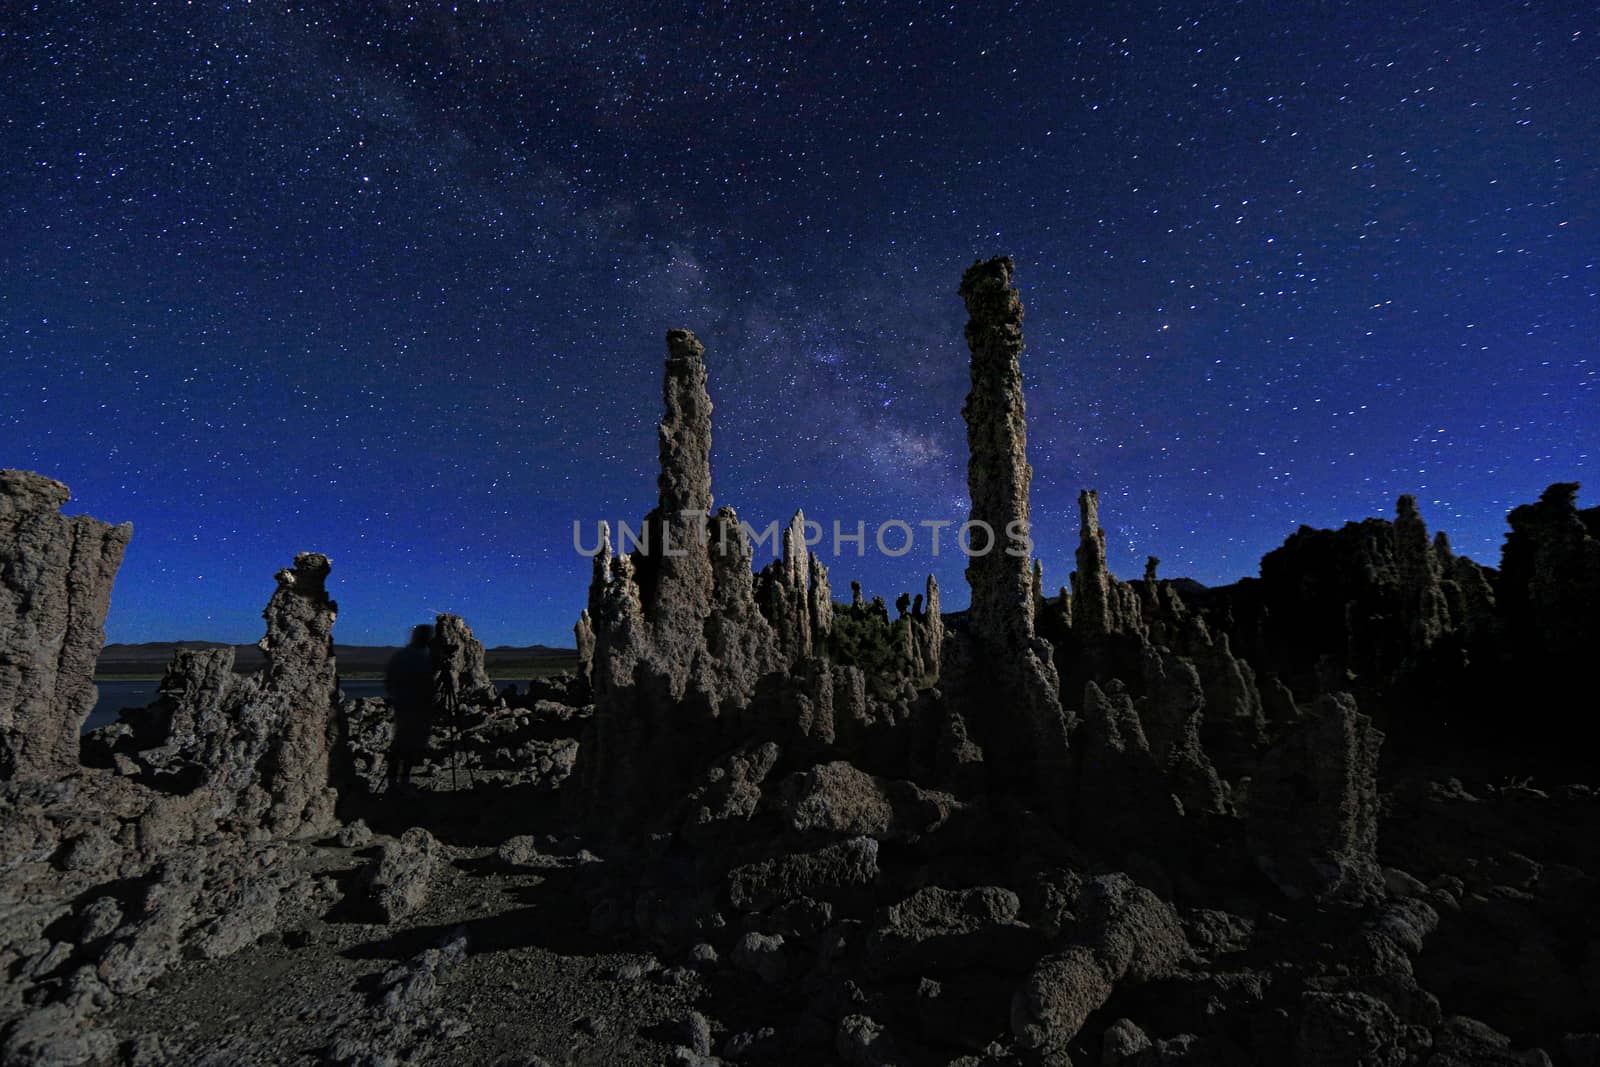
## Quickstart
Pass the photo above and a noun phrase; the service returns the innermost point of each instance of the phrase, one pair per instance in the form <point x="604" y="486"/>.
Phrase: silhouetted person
<point x="408" y="684"/>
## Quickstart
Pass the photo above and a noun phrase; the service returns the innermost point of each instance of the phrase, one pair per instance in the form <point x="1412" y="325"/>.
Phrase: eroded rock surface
<point x="1023" y="725"/>
<point x="56" y="574"/>
<point x="256" y="749"/>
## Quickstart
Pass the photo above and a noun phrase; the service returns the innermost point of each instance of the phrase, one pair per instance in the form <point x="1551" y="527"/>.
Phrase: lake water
<point x="116" y="695"/>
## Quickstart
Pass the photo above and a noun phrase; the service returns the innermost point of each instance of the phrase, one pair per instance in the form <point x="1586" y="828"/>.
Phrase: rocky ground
<point x="1340" y="814"/>
<point x="515" y="953"/>
<point x="490" y="963"/>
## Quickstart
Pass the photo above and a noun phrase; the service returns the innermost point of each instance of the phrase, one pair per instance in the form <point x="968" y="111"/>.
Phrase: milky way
<point x="391" y="281"/>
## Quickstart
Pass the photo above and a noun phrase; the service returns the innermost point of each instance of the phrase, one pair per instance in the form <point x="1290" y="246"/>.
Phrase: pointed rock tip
<point x="312" y="561"/>
<point x="28" y="491"/>
<point x="1562" y="493"/>
<point x="987" y="289"/>
<point x="308" y="573"/>
<point x="1089" y="505"/>
<point x="683" y="344"/>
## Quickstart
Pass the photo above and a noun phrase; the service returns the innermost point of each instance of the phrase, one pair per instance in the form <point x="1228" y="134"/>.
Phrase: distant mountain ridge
<point x="150" y="658"/>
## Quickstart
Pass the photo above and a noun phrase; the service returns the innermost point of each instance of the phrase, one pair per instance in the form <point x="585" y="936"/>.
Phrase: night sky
<point x="390" y="281"/>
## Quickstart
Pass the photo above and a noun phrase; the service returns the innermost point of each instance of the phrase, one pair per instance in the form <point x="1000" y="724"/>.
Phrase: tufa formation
<point x="1134" y="822"/>
<point x="55" y="588"/>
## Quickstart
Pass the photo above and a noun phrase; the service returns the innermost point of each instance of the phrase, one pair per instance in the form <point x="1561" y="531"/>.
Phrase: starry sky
<point x="390" y="280"/>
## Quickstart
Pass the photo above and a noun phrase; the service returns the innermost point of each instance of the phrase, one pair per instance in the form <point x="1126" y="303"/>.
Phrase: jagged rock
<point x="1364" y="606"/>
<point x="92" y="850"/>
<point x="1398" y="883"/>
<point x="746" y="728"/>
<point x="1048" y="898"/>
<point x="523" y="852"/>
<point x="837" y="798"/>
<point x="1051" y="1005"/>
<point x="1407" y="922"/>
<point x="862" y="1042"/>
<point x="1025" y="732"/>
<point x="1122" y="1041"/>
<point x="1423" y="606"/>
<point x="203" y="902"/>
<point x="1124" y="798"/>
<point x="256" y="749"/>
<point x="790" y="591"/>
<point x="998" y="474"/>
<point x="460" y="678"/>
<point x="1234" y="726"/>
<point x="729" y="793"/>
<point x="823" y="874"/>
<point x="400" y="877"/>
<point x="55" y="1035"/>
<point x="677" y="589"/>
<point x="1469" y="596"/>
<point x="1463" y="1042"/>
<point x="1135" y="932"/>
<point x="403" y="1017"/>
<point x="1101" y="605"/>
<point x="944" y="930"/>
<point x="933" y="628"/>
<point x="1162" y="610"/>
<point x="1218" y="933"/>
<point x="267" y="748"/>
<point x="694" y="1030"/>
<point x="368" y="738"/>
<point x="1124" y="933"/>
<point x="741" y="643"/>
<point x="146" y="947"/>
<point x="692" y="651"/>
<point x="1313" y="804"/>
<point x="408" y="988"/>
<point x="1171" y="713"/>
<point x="300" y="684"/>
<point x="495" y="741"/>
<point x="761" y="955"/>
<point x="583" y="636"/>
<point x="99" y="919"/>
<point x="171" y="740"/>
<point x="1550" y="577"/>
<point x="56" y="575"/>
<point x="194" y="689"/>
<point x="680" y="639"/>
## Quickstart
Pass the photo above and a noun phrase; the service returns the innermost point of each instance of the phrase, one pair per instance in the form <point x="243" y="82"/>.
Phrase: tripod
<point x="452" y="703"/>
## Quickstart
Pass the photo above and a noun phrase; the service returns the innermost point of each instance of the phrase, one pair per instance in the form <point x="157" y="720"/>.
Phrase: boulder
<point x="939" y="930"/>
<point x="837" y="798"/>
<point x="842" y="869"/>
<point x="400" y="877"/>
